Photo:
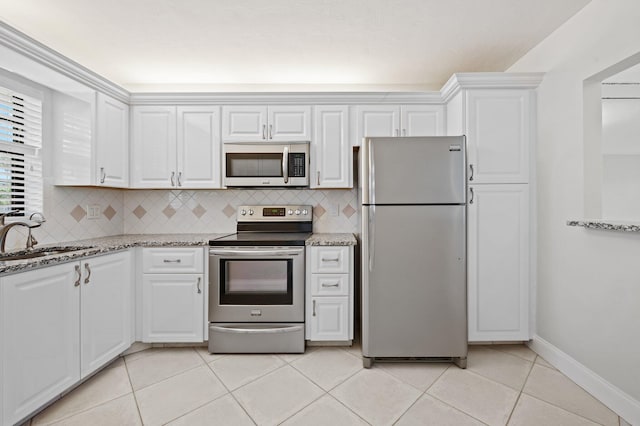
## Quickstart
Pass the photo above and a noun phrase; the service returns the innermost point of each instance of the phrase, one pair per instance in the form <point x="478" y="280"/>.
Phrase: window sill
<point x="606" y="225"/>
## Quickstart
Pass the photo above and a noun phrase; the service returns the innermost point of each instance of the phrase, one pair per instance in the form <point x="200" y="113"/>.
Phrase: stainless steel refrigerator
<point x="414" y="286"/>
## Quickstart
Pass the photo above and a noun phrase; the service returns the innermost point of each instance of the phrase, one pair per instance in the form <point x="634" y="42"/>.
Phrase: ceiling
<point x="193" y="45"/>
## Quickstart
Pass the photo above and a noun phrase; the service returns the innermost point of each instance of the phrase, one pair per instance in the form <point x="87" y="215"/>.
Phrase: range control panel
<point x="281" y="213"/>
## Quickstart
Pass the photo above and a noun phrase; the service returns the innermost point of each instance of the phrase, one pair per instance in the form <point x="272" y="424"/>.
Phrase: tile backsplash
<point x="175" y="211"/>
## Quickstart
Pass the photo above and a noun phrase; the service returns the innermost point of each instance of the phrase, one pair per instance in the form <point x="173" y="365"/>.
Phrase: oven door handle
<point x="285" y="164"/>
<point x="254" y="253"/>
<point x="275" y="330"/>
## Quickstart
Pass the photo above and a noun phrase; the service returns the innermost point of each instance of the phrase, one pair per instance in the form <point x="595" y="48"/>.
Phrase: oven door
<point x="256" y="284"/>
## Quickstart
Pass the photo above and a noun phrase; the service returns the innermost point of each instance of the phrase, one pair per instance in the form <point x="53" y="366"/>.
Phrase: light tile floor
<point x="503" y="384"/>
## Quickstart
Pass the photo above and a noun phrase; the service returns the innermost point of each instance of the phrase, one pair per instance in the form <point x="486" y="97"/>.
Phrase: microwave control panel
<point x="297" y="164"/>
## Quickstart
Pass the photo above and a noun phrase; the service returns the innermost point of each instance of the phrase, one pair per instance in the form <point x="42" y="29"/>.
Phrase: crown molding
<point x="489" y="80"/>
<point x="285" y="98"/>
<point x="38" y="52"/>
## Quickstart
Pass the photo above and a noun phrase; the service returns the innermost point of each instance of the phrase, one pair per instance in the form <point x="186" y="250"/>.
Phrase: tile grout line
<point x="166" y="378"/>
<point x="231" y="393"/>
<point x="135" y="398"/>
<point x="522" y="389"/>
<point x="563" y="408"/>
<point x="446" y="403"/>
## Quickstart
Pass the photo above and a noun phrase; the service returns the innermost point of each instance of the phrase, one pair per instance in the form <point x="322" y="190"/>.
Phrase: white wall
<point x="588" y="285"/>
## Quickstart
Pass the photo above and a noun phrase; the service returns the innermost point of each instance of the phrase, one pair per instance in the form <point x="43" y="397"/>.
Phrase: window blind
<point x="20" y="147"/>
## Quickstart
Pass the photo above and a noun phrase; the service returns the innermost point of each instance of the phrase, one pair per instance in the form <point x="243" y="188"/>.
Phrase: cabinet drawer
<point x="330" y="284"/>
<point x="330" y="259"/>
<point x="173" y="260"/>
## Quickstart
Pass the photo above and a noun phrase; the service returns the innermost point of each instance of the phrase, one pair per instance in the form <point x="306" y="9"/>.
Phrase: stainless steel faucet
<point x="3" y="215"/>
<point x="31" y="241"/>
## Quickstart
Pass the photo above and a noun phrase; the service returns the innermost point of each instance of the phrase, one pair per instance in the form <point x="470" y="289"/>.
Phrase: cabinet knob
<point x="103" y="175"/>
<point x="172" y="178"/>
<point x="270" y="131"/>
<point x="471" y="175"/>
<point x="314" y="308"/>
<point x="264" y="131"/>
<point x="471" y="200"/>
<point x="198" y="285"/>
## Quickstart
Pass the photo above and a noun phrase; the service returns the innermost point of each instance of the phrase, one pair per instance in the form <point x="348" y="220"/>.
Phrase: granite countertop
<point x="607" y="225"/>
<point x="332" y="240"/>
<point x="103" y="245"/>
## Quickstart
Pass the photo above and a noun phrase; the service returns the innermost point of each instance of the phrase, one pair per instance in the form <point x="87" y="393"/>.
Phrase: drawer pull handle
<point x="77" y="282"/>
<point x="331" y="259"/>
<point x="314" y="308"/>
<point x="171" y="261"/>
<point x="331" y="285"/>
<point x="199" y="279"/>
<point x="86" y="266"/>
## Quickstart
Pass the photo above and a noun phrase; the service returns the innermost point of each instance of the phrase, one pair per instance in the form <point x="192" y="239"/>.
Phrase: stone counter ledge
<point x="606" y="226"/>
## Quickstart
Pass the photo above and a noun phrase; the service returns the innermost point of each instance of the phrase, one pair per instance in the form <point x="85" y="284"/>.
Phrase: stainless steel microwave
<point x="265" y="164"/>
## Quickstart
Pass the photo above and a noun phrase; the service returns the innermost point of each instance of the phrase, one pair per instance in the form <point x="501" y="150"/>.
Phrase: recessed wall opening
<point x="612" y="142"/>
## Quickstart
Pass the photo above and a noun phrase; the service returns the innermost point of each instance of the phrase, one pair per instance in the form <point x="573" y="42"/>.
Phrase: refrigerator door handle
<point x="372" y="231"/>
<point x="372" y="177"/>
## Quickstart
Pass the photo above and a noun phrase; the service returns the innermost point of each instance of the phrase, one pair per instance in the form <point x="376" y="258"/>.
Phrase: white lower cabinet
<point x="173" y="294"/>
<point x="58" y="325"/>
<point x="329" y="287"/>
<point x="498" y="268"/>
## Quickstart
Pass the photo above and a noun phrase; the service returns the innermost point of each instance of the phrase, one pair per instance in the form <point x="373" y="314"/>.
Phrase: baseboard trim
<point x="617" y="400"/>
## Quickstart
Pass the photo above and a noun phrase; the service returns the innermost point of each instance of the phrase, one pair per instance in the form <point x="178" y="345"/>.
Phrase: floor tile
<point x="499" y="366"/>
<point x="555" y="388"/>
<point x="178" y="395"/>
<point x="117" y="412"/>
<point x="292" y="357"/>
<point x="543" y="362"/>
<point x="327" y="367"/>
<point x="430" y="411"/>
<point x="106" y="385"/>
<point x="161" y="364"/>
<point x="376" y="396"/>
<point x="481" y="398"/>
<point x="418" y="374"/>
<point x="203" y="351"/>
<point x="519" y="350"/>
<point x="323" y="412"/>
<point x="277" y="396"/>
<point x="223" y="411"/>
<point x="530" y="411"/>
<point x="238" y="370"/>
<point x="355" y="350"/>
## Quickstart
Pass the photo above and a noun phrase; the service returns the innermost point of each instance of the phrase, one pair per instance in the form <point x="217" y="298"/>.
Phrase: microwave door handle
<point x="285" y="164"/>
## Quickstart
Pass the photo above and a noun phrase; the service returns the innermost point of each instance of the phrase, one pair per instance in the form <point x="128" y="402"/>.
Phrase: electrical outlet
<point x="334" y="209"/>
<point x="94" y="211"/>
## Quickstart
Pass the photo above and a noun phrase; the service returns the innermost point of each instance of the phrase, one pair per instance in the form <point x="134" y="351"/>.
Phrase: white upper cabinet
<point x="112" y="142"/>
<point x="394" y="120"/>
<point x="422" y="120"/>
<point x="175" y="147"/>
<point x="279" y="123"/>
<point x="499" y="258"/>
<point x="498" y="129"/>
<point x="198" y="162"/>
<point x="73" y="130"/>
<point x="331" y="152"/>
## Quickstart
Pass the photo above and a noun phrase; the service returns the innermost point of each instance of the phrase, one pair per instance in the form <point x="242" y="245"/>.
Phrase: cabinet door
<point x="153" y="162"/>
<point x="244" y="123"/>
<point x="289" y="123"/>
<point x="377" y="120"/>
<point x="331" y="153"/>
<point x="329" y="318"/>
<point x="72" y="133"/>
<point x="498" y="269"/>
<point x="172" y="308"/>
<point x="498" y="132"/>
<point x="112" y="143"/>
<point x="198" y="147"/>
<point x="40" y="325"/>
<point x="422" y="120"/>
<point x="105" y="310"/>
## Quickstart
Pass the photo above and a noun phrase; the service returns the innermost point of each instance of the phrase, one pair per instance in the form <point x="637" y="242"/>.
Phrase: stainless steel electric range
<point x="256" y="282"/>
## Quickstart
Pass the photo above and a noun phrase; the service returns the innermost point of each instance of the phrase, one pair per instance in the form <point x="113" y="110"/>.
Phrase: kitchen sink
<point x="41" y="252"/>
